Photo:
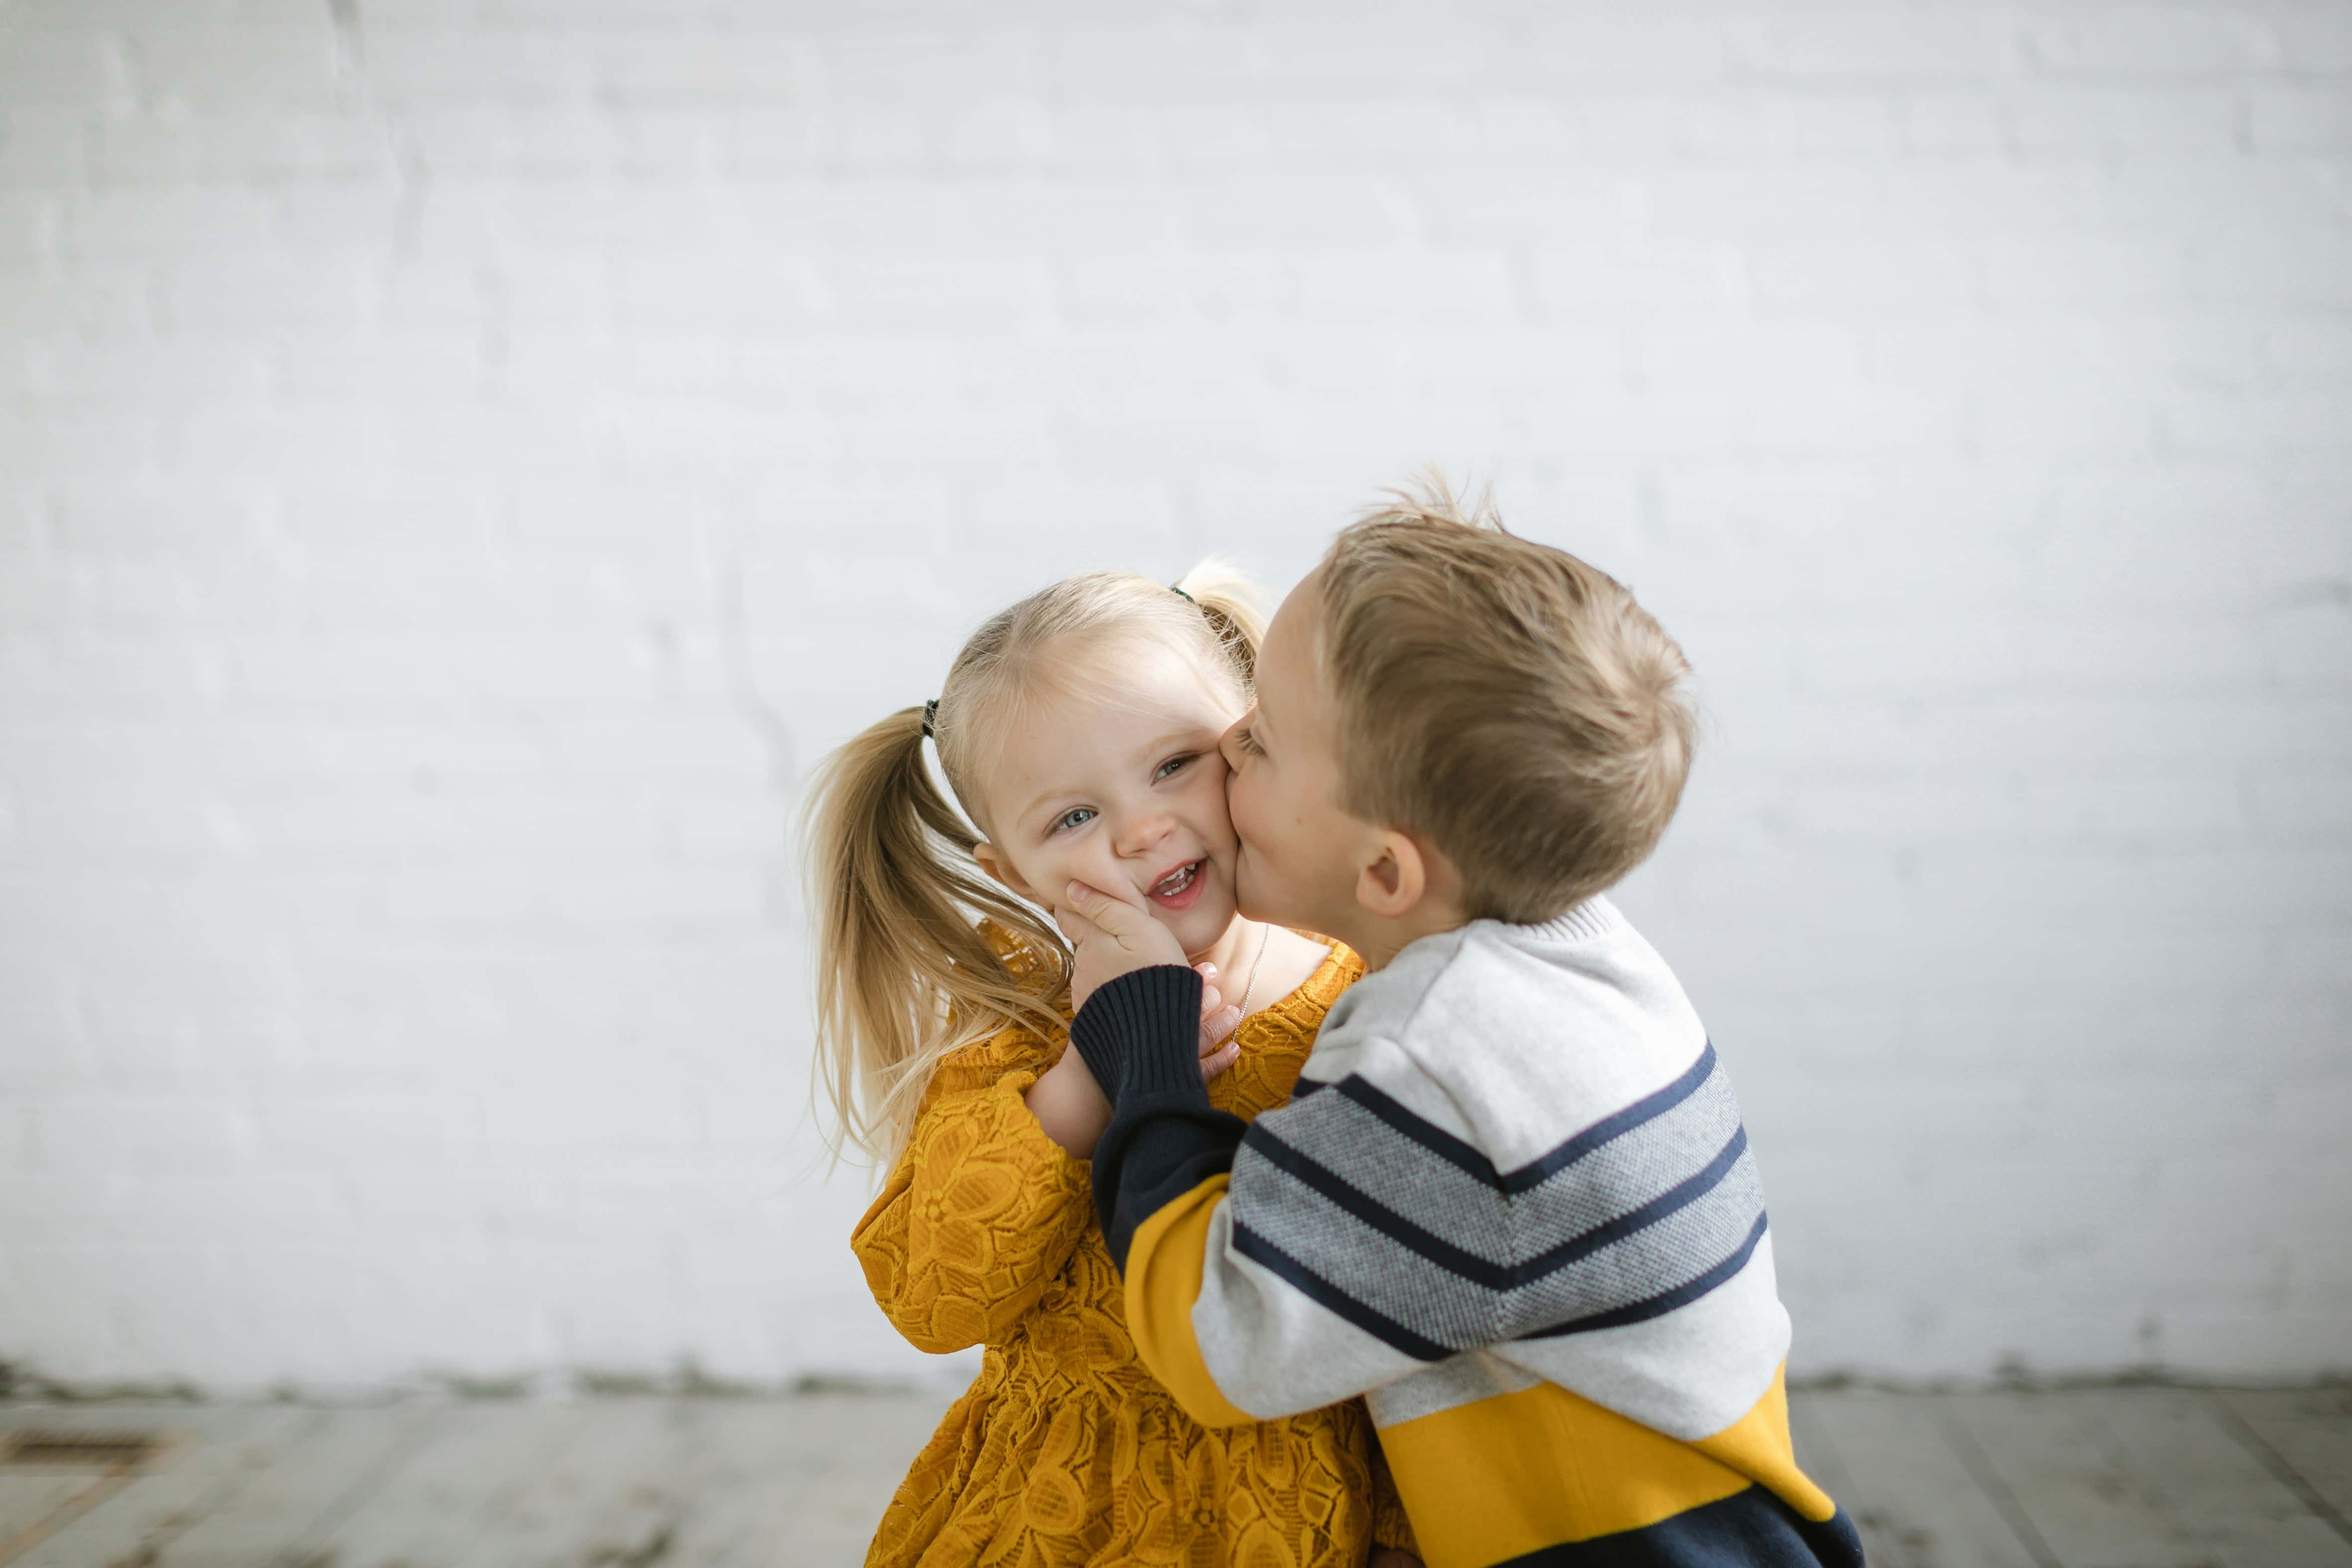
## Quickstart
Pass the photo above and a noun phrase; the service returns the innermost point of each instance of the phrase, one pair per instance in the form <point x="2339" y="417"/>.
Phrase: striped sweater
<point x="1511" y="1203"/>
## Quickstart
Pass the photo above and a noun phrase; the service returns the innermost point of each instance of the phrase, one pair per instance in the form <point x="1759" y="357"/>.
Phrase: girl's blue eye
<point x="1170" y="766"/>
<point x="1077" y="816"/>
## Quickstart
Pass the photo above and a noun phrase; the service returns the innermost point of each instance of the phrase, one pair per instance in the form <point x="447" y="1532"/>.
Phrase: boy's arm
<point x="1238" y="1326"/>
<point x="1164" y="1139"/>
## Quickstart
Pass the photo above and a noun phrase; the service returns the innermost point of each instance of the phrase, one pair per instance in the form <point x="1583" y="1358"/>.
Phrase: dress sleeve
<point x="981" y="1211"/>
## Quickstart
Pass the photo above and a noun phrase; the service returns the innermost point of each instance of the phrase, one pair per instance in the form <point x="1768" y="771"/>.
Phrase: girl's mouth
<point x="1181" y="888"/>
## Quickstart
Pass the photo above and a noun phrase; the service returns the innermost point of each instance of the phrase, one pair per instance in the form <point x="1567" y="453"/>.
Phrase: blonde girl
<point x="1078" y="732"/>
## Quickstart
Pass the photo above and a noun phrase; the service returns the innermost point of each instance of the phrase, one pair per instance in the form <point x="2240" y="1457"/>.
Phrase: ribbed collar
<point x="1596" y="917"/>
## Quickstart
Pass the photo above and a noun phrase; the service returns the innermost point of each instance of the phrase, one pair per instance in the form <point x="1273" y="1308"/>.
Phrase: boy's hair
<point x="905" y="975"/>
<point x="1503" y="698"/>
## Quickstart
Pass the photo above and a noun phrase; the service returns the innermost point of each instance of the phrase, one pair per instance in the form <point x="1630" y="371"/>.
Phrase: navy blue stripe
<point x="1752" y="1528"/>
<point x="1373" y="1213"/>
<point x="1647" y="1109"/>
<point x="1469" y="1265"/>
<point x="1428" y="1134"/>
<point x="1466" y="1156"/>
<point x="1660" y="1305"/>
<point x="1333" y="1299"/>
<point x="1681" y="1195"/>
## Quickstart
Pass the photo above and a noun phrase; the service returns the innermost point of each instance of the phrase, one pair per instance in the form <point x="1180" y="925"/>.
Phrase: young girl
<point x="1078" y="731"/>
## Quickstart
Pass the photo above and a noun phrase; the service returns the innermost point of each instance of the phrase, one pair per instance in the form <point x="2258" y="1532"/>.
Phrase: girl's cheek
<point x="1216" y="812"/>
<point x="1096" y="866"/>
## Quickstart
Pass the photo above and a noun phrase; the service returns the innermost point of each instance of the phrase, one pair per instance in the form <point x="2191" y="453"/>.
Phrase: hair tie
<point x="1176" y="588"/>
<point x="931" y="716"/>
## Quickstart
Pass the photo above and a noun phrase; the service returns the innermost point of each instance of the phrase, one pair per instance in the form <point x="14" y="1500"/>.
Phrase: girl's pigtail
<point x="904" y="974"/>
<point x="1229" y="603"/>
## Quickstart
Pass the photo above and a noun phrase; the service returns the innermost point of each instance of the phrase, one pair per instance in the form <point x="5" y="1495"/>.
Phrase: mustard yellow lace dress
<point x="1065" y="1451"/>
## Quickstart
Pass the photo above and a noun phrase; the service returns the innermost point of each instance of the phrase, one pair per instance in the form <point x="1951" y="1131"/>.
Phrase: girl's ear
<point x="998" y="867"/>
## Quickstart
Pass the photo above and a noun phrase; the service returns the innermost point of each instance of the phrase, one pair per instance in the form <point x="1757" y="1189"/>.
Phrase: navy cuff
<point x="1140" y="1034"/>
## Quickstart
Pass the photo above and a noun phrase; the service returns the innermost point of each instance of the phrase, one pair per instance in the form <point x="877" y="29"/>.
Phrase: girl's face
<point x="1124" y="791"/>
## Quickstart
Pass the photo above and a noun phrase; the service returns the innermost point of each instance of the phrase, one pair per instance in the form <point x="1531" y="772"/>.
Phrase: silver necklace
<point x="1265" y="935"/>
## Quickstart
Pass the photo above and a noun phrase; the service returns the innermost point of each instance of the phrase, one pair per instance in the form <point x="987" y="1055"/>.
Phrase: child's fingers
<point x="1113" y="917"/>
<point x="1217" y="1026"/>
<point x="1215" y="1064"/>
<point x="1074" y="926"/>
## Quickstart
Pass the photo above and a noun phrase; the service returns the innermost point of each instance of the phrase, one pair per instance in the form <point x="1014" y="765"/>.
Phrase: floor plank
<point x="602" y="1499"/>
<point x="1819" y="1456"/>
<point x="210" y="1453"/>
<point x="31" y="1504"/>
<point x="2099" y="1479"/>
<point x="815" y="1472"/>
<point x="465" y="1480"/>
<point x="2309" y="1430"/>
<point x="2143" y="1478"/>
<point x="639" y="1522"/>
<point x="1913" y="1494"/>
<point x="282" y="1515"/>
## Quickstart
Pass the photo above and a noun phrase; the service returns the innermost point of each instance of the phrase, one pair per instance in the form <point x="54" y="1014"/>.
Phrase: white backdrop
<point x="462" y="460"/>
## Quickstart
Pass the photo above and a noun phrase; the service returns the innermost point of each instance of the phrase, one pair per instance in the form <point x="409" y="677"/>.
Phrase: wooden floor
<point x="2142" y="1478"/>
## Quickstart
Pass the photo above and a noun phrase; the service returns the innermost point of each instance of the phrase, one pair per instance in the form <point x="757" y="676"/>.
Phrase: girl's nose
<point x="1138" y="834"/>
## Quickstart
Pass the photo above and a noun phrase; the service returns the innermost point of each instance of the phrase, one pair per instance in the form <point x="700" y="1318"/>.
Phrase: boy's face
<point x="1299" y="852"/>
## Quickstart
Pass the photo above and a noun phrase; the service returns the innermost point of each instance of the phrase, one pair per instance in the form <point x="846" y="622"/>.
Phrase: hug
<point x="1329" y="1171"/>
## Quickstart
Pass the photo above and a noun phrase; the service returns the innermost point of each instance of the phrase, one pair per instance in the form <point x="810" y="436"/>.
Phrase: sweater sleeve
<point x="980" y="1212"/>
<point x="1140" y="1035"/>
<point x="1236" y="1327"/>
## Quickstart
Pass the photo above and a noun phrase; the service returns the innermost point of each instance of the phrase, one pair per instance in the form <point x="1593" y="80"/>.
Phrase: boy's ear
<point x="998" y="867"/>
<point x="1393" y="880"/>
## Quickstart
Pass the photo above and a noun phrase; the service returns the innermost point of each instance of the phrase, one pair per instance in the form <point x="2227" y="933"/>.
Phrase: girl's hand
<point x="1110" y="938"/>
<point x="1220" y="1048"/>
<point x="1071" y="1107"/>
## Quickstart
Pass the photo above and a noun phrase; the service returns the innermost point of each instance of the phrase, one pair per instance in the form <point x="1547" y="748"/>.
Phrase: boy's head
<point x="1452" y="723"/>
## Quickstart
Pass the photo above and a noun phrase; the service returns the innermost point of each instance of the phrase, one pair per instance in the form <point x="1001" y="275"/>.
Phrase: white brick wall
<point x="461" y="460"/>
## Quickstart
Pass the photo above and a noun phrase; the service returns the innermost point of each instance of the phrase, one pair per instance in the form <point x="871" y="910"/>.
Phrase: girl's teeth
<point x="1176" y="882"/>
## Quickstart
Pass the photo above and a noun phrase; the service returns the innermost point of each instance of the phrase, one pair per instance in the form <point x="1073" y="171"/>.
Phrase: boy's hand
<point x="1110" y="938"/>
<point x="1070" y="1105"/>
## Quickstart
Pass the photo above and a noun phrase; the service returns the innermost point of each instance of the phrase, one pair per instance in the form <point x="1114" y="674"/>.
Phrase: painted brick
<point x="238" y="65"/>
<point x="2151" y="41"/>
<point x="39" y="148"/>
<point x="67" y="65"/>
<point x="2299" y="119"/>
<point x="462" y="468"/>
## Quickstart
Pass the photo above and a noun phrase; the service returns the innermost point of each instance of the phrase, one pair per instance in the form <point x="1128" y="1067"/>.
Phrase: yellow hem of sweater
<point x="1492" y="1480"/>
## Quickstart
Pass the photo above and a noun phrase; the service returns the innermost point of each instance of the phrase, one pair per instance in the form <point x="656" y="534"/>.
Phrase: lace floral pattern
<point x="1064" y="1451"/>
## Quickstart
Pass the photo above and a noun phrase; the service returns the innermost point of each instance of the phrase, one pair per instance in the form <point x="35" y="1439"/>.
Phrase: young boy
<point x="1511" y="1201"/>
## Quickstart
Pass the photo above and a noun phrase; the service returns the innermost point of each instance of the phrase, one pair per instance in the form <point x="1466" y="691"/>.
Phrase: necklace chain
<point x="1265" y="935"/>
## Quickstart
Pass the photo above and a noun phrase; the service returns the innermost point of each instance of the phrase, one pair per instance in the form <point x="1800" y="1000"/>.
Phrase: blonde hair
<point x="905" y="975"/>
<point x="1512" y="703"/>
